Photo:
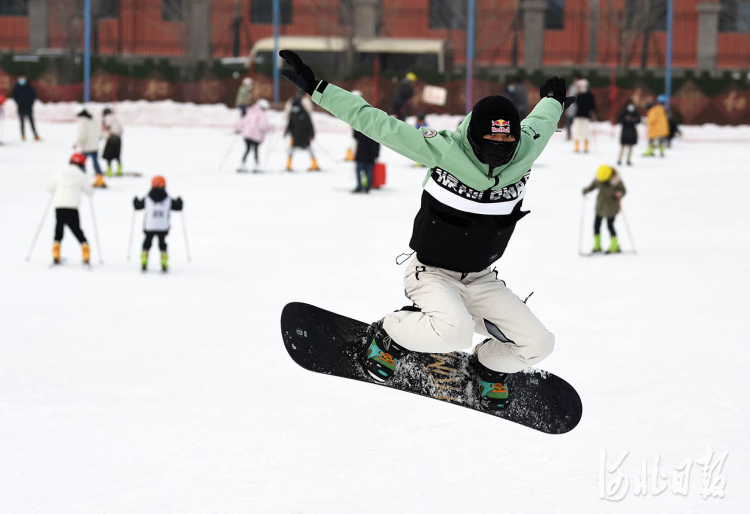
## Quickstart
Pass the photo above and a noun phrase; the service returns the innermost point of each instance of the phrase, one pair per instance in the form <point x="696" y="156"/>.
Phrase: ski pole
<point x="580" y="231"/>
<point x="184" y="234"/>
<point x="96" y="232"/>
<point x="130" y="239"/>
<point x="627" y="226"/>
<point x="39" y="230"/>
<point x="229" y="150"/>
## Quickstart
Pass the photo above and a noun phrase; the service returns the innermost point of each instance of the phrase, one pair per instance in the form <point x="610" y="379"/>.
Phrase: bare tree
<point x="632" y="24"/>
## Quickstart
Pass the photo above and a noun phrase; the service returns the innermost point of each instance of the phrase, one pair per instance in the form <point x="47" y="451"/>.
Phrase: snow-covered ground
<point x="123" y="392"/>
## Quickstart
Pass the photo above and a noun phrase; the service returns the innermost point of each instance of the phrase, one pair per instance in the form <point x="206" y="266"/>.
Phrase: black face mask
<point x="493" y="153"/>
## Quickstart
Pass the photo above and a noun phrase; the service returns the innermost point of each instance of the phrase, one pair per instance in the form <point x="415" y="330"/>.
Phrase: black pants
<point x="30" y="116"/>
<point x="161" y="234"/>
<point x="249" y="144"/>
<point x="610" y="225"/>
<point x="68" y="217"/>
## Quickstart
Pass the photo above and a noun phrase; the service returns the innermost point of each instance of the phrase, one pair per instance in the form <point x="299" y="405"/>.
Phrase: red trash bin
<point x="378" y="175"/>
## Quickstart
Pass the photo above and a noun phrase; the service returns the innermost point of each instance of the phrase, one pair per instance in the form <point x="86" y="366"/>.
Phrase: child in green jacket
<point x="611" y="190"/>
<point x="472" y="200"/>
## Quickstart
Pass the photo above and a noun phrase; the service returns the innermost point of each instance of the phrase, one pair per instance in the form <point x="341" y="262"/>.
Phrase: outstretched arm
<point x="425" y="148"/>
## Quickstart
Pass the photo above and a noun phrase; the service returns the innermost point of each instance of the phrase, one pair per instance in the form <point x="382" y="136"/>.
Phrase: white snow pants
<point x="454" y="305"/>
<point x="581" y="129"/>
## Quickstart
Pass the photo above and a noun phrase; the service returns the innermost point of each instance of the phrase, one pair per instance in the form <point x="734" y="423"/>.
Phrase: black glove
<point x="554" y="88"/>
<point x="301" y="75"/>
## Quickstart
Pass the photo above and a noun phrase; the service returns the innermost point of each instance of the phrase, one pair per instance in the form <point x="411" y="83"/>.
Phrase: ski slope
<point x="124" y="392"/>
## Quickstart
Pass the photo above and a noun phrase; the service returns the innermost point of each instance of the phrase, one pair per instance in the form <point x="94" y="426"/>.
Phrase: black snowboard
<point x="328" y="343"/>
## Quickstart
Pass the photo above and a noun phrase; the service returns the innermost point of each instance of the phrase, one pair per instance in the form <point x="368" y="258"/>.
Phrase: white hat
<point x="247" y="81"/>
<point x="583" y="85"/>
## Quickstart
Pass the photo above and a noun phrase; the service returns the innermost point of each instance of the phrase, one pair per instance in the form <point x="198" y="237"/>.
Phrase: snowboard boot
<point x="99" y="181"/>
<point x="86" y="253"/>
<point x="119" y="171"/>
<point x="383" y="354"/>
<point x="56" y="253"/>
<point x="289" y="164"/>
<point x="109" y="172"/>
<point x="313" y="165"/>
<point x="164" y="261"/>
<point x="144" y="261"/>
<point x="577" y="146"/>
<point x="597" y="243"/>
<point x="614" y="247"/>
<point x="493" y="387"/>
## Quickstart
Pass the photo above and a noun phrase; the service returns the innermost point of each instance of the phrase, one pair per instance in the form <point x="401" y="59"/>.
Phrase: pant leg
<point x="21" y="117"/>
<point x="74" y="223"/>
<point x="59" y="224"/>
<point x="611" y="226"/>
<point x="149" y="237"/>
<point x="162" y="241"/>
<point x="95" y="159"/>
<point x="444" y="324"/>
<point x="519" y="339"/>
<point x="247" y="149"/>
<point x="358" y="172"/>
<point x="597" y="225"/>
<point x="31" y="122"/>
<point x="255" y="151"/>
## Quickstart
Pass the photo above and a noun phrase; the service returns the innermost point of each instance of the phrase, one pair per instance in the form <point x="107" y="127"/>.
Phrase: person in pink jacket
<point x="254" y="127"/>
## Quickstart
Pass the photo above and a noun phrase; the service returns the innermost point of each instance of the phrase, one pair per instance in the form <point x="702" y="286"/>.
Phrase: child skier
<point x="301" y="129"/>
<point x="365" y="157"/>
<point x="611" y="190"/>
<point x="157" y="205"/>
<point x="87" y="141"/>
<point x="254" y="128"/>
<point x="585" y="113"/>
<point x="629" y="118"/>
<point x="112" y="129"/>
<point x="470" y="205"/>
<point x="67" y="186"/>
<point x="658" y="128"/>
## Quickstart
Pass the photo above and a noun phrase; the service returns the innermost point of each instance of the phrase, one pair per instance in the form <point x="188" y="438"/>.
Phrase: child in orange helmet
<point x="157" y="206"/>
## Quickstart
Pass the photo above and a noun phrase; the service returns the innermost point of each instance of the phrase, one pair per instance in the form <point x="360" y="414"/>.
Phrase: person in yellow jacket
<point x="658" y="128"/>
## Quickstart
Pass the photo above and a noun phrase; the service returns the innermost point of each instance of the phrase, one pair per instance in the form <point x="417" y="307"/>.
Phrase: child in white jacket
<point x="67" y="186"/>
<point x="87" y="142"/>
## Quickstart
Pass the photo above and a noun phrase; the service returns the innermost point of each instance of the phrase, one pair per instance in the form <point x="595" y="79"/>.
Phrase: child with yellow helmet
<point x="611" y="190"/>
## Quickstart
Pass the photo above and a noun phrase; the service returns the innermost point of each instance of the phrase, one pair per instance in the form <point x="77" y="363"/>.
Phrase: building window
<point x="554" y="17"/>
<point x="261" y="11"/>
<point x="448" y="14"/>
<point x="14" y="7"/>
<point x="172" y="10"/>
<point x="734" y="16"/>
<point x="646" y="15"/>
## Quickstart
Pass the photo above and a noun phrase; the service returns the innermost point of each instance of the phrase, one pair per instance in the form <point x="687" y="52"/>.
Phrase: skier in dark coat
<point x="403" y="95"/>
<point x="628" y="118"/>
<point x="24" y="95"/>
<point x="301" y="129"/>
<point x="367" y="152"/>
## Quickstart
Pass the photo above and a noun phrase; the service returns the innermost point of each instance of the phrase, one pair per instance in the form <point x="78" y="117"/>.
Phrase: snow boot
<point x="586" y="146"/>
<point x="164" y="261"/>
<point x="314" y="165"/>
<point x="493" y="387"/>
<point x="577" y="146"/>
<point x="661" y="150"/>
<point x="614" y="247"/>
<point x="86" y="253"/>
<point x="649" y="151"/>
<point x="597" y="243"/>
<point x="144" y="261"/>
<point x="349" y="155"/>
<point x="56" y="253"/>
<point x="99" y="181"/>
<point x="119" y="171"/>
<point x="109" y="172"/>
<point x="383" y="354"/>
<point x="289" y="163"/>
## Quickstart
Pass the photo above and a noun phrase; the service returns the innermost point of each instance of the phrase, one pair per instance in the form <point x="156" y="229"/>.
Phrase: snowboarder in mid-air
<point x="157" y="205"/>
<point x="471" y="203"/>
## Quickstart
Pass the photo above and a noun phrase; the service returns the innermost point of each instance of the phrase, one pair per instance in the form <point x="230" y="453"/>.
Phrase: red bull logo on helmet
<point x="501" y="127"/>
